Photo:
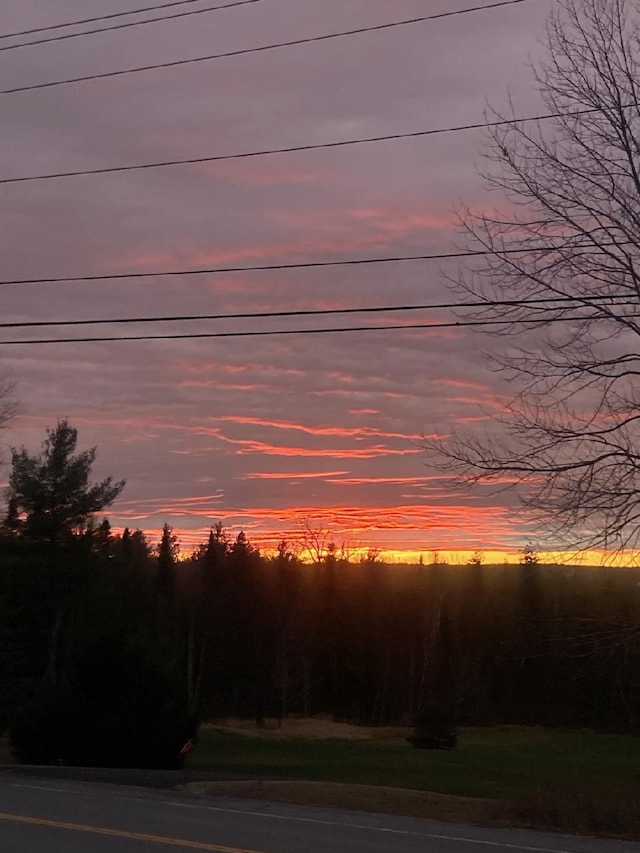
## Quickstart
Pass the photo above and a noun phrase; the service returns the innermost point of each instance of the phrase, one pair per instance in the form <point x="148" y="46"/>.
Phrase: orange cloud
<point x="342" y="432"/>
<point x="252" y="446"/>
<point x="397" y="528"/>
<point x="194" y="501"/>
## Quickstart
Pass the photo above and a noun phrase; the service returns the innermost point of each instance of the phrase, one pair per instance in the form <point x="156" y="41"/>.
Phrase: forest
<point x="113" y="649"/>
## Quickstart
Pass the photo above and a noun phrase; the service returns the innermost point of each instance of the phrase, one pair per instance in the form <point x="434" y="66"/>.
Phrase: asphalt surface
<point x="54" y="815"/>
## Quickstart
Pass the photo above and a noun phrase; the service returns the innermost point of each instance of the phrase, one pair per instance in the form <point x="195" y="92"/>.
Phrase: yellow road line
<point x="120" y="833"/>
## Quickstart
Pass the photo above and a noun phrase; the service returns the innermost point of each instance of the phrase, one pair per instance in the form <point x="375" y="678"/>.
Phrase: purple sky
<point x="262" y="433"/>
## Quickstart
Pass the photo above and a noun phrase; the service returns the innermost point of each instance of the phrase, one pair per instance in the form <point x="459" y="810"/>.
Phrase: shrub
<point x="434" y="728"/>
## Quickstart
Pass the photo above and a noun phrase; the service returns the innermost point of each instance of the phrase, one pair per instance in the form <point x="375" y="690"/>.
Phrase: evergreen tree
<point x="52" y="490"/>
<point x="167" y="557"/>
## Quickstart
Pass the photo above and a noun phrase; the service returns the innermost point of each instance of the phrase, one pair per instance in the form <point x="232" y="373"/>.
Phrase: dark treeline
<point x="112" y="651"/>
<point x="374" y="643"/>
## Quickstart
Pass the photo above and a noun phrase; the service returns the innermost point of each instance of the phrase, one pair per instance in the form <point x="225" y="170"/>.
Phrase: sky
<point x="267" y="434"/>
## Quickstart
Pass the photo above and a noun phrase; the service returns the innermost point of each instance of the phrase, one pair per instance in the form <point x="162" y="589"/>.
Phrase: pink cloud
<point x="225" y="386"/>
<point x="266" y="172"/>
<point x="362" y="481"/>
<point x="293" y="475"/>
<point x="464" y="383"/>
<point x="339" y="231"/>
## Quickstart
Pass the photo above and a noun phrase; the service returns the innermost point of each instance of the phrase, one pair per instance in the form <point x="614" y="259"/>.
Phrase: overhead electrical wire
<point x="548" y="303"/>
<point x="97" y="18"/>
<point x="341" y="143"/>
<point x="9" y="282"/>
<point x="127" y="24"/>
<point x="262" y="48"/>
<point x="253" y="333"/>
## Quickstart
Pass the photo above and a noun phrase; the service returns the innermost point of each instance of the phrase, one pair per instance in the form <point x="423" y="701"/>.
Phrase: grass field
<point x="493" y="763"/>
<point x="573" y="781"/>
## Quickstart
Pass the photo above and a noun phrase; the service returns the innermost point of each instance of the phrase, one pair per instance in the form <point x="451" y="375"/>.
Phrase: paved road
<point x="41" y="815"/>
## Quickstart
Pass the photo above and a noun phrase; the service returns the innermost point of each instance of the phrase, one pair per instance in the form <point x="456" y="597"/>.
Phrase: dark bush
<point x="434" y="728"/>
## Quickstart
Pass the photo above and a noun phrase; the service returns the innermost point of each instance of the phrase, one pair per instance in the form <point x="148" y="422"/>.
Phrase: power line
<point x="97" y="18"/>
<point x="260" y="49"/>
<point x="457" y="324"/>
<point x="127" y="24"/>
<point x="302" y="265"/>
<point x="239" y="316"/>
<point x="550" y="303"/>
<point x="342" y="143"/>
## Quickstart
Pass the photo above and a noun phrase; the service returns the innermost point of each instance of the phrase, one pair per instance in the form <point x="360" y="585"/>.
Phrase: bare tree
<point x="314" y="540"/>
<point x="476" y="559"/>
<point x="560" y="286"/>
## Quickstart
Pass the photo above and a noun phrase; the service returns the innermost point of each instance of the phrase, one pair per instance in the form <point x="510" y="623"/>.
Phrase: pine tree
<point x="52" y="490"/>
<point x="167" y="555"/>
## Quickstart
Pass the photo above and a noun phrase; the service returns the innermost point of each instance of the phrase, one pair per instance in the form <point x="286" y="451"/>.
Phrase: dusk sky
<point x="261" y="433"/>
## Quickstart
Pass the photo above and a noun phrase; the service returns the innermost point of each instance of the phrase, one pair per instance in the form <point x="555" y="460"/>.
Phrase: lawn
<point x="496" y="763"/>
